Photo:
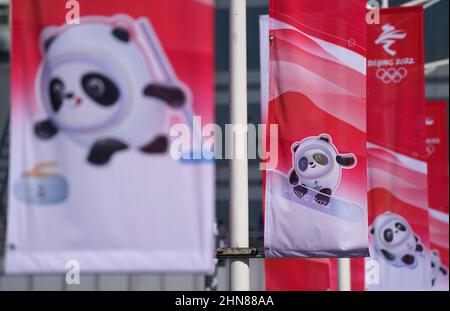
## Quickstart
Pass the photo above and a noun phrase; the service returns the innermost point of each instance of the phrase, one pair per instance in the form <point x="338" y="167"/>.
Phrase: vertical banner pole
<point x="344" y="275"/>
<point x="239" y="213"/>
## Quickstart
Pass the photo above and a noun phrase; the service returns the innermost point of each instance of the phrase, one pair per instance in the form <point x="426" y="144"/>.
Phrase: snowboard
<point x="337" y="207"/>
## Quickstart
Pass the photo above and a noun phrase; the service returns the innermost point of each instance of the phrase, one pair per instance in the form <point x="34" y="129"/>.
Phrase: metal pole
<point x="239" y="235"/>
<point x="430" y="4"/>
<point x="344" y="275"/>
<point x="384" y="3"/>
<point x="431" y="67"/>
<point x="211" y="282"/>
<point x="414" y="2"/>
<point x="438" y="63"/>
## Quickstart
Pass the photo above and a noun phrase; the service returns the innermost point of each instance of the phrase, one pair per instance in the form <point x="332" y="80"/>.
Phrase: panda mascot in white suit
<point x="107" y="84"/>
<point x="393" y="240"/>
<point x="317" y="165"/>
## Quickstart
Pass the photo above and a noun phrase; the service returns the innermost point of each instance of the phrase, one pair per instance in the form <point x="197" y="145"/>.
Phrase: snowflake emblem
<point x="351" y="42"/>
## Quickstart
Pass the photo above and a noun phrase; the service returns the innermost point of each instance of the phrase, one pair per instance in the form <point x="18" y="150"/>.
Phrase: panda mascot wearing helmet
<point x="102" y="84"/>
<point x="317" y="165"/>
<point x="393" y="240"/>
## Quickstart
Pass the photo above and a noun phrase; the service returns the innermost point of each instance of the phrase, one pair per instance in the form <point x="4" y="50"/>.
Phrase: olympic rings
<point x="392" y="74"/>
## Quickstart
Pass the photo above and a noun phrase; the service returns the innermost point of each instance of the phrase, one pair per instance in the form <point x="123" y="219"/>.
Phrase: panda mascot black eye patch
<point x="100" y="89"/>
<point x="56" y="91"/>
<point x="303" y="164"/>
<point x="320" y="158"/>
<point x="400" y="226"/>
<point x="388" y="235"/>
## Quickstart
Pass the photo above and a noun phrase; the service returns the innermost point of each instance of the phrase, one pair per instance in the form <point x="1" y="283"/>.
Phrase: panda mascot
<point x="394" y="241"/>
<point x="108" y="86"/>
<point x="438" y="271"/>
<point x="317" y="165"/>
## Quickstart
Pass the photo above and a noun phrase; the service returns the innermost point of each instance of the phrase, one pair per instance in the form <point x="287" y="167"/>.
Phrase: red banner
<point x="316" y="196"/>
<point x="397" y="171"/>
<point x="297" y="274"/>
<point x="437" y="155"/>
<point x="438" y="193"/>
<point x="395" y="79"/>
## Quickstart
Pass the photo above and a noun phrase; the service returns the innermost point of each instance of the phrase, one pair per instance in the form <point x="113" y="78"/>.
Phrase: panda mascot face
<point x="315" y="162"/>
<point x="394" y="241"/>
<point x="317" y="165"/>
<point x="438" y="271"/>
<point x="82" y="96"/>
<point x="104" y="83"/>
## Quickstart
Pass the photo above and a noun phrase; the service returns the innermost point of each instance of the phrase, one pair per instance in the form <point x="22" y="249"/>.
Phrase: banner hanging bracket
<point x="238" y="252"/>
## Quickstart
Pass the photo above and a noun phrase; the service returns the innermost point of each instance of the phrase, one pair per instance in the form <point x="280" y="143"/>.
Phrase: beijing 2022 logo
<point x="387" y="39"/>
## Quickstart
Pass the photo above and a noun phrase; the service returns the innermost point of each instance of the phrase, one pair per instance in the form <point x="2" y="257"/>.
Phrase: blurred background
<point x="437" y="87"/>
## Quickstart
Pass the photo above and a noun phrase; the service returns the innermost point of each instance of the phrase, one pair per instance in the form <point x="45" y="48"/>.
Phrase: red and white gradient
<point x="397" y="169"/>
<point x="438" y="181"/>
<point x="317" y="84"/>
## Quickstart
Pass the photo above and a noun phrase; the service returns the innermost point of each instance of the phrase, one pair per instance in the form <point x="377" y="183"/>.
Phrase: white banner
<point x="92" y="180"/>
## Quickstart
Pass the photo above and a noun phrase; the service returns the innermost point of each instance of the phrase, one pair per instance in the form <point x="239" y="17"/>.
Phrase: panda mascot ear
<point x="48" y="43"/>
<point x="325" y="138"/>
<point x="295" y="146"/>
<point x="121" y="33"/>
<point x="48" y="37"/>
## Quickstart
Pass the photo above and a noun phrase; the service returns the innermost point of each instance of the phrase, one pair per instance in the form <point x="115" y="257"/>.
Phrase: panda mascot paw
<point x="323" y="198"/>
<point x="300" y="191"/>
